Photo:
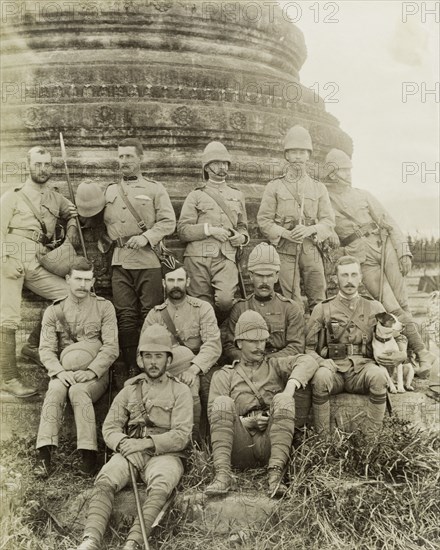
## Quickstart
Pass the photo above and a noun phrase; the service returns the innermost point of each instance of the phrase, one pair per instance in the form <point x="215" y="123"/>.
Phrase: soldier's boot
<point x="44" y="461"/>
<point x="222" y="438"/>
<point x="10" y="379"/>
<point x="129" y="344"/>
<point x="303" y="404"/>
<point x="375" y="413"/>
<point x="88" y="462"/>
<point x="150" y="510"/>
<point x="30" y="348"/>
<point x="281" y="428"/>
<point x="100" y="508"/>
<point x="321" y="412"/>
<point x="197" y="412"/>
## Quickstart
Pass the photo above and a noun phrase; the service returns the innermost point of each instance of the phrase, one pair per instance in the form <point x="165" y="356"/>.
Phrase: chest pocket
<point x="235" y="205"/>
<point x="159" y="412"/>
<point x="144" y="205"/>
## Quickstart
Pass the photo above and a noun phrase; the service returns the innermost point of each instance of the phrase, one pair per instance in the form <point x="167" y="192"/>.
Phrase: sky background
<point x="369" y="53"/>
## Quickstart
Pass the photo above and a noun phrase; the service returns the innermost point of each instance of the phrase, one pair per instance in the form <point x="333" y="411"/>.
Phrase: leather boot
<point x="88" y="462"/>
<point x="277" y="488"/>
<point x="10" y="381"/>
<point x="44" y="461"/>
<point x="30" y="349"/>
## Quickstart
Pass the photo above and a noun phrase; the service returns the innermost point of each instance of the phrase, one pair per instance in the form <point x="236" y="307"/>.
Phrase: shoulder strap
<point x="171" y="326"/>
<point x="62" y="320"/>
<point x="252" y="386"/>
<point x="296" y="197"/>
<point x="341" y="210"/>
<point x="219" y="200"/>
<point x="350" y="319"/>
<point x="128" y="204"/>
<point x="327" y="320"/>
<point x="33" y="209"/>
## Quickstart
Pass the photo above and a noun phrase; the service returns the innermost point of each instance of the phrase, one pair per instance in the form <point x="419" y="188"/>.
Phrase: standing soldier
<point x="138" y="215"/>
<point x="339" y="336"/>
<point x="213" y="222"/>
<point x="296" y="216"/>
<point x="193" y="327"/>
<point x="252" y="407"/>
<point x="283" y="317"/>
<point x="29" y="215"/>
<point x="148" y="426"/>
<point x="367" y="232"/>
<point x="79" y="343"/>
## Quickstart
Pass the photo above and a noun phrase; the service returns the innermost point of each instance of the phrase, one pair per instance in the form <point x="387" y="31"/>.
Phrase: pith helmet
<point x="335" y="160"/>
<point x="264" y="259"/>
<point x="90" y="199"/>
<point x="79" y="355"/>
<point x="182" y="357"/>
<point x="251" y="326"/>
<point x="298" y="138"/>
<point x="155" y="338"/>
<point x="215" y="150"/>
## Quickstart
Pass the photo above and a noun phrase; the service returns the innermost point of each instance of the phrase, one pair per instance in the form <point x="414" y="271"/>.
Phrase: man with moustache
<point x="296" y="216"/>
<point x="148" y="426"/>
<point x="251" y="407"/>
<point x="193" y="327"/>
<point x="79" y="343"/>
<point x="283" y="317"/>
<point x="29" y="215"/>
<point x="213" y="222"/>
<point x="338" y="336"/>
<point x="360" y="222"/>
<point x="138" y="214"/>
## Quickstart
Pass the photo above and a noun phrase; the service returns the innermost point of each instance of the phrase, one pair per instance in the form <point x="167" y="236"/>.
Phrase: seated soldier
<point x="194" y="331"/>
<point x="149" y="426"/>
<point x="252" y="407"/>
<point x="344" y="353"/>
<point x="78" y="345"/>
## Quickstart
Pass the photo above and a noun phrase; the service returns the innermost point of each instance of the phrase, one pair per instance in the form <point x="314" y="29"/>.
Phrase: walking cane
<point x="138" y="506"/>
<point x="72" y="195"/>
<point x="110" y="384"/>
<point x="298" y="246"/>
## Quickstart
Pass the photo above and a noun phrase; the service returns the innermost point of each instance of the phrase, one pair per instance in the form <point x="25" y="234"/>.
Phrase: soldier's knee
<point x="224" y="300"/>
<point x="322" y="380"/>
<point x="376" y="377"/>
<point x="78" y="392"/>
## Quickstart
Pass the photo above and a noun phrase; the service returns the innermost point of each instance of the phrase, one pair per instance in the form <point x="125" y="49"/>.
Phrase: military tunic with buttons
<point x="196" y="326"/>
<point x="211" y="264"/>
<point x="20" y="234"/>
<point x="369" y="215"/>
<point x="136" y="274"/>
<point x="280" y="212"/>
<point x="92" y="319"/>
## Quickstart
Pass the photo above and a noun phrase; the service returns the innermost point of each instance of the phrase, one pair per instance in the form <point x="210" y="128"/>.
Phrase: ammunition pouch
<point x="337" y="351"/>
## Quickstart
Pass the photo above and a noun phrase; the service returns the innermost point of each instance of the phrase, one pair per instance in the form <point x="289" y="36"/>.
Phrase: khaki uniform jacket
<point x="280" y="210"/>
<point x="365" y="208"/>
<point x="363" y="323"/>
<point x="152" y="202"/>
<point x="200" y="209"/>
<point x="90" y="320"/>
<point x="16" y="214"/>
<point x="284" y="320"/>
<point x="197" y="327"/>
<point x="164" y="408"/>
<point x="270" y="378"/>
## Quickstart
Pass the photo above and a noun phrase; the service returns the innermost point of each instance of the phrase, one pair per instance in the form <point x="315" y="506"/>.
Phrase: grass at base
<point x="345" y="493"/>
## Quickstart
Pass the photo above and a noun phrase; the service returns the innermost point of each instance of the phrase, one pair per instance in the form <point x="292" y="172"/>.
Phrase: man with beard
<point x="138" y="214"/>
<point x="193" y="327"/>
<point x="283" y="317"/>
<point x="296" y="216"/>
<point x="361" y="222"/>
<point x="339" y="335"/>
<point x="213" y="222"/>
<point x="29" y="215"/>
<point x="252" y="407"/>
<point x="148" y="426"/>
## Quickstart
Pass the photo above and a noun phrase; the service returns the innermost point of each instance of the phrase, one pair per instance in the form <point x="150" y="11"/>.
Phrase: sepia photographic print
<point x="219" y="276"/>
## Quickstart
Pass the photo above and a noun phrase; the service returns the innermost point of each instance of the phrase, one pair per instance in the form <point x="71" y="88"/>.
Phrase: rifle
<point x="383" y="237"/>
<point x="241" y="284"/>
<point x="72" y="195"/>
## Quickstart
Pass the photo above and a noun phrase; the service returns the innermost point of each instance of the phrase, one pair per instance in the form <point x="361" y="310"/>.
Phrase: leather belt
<point x="363" y="231"/>
<point x="120" y="242"/>
<point x="354" y="349"/>
<point x="33" y="235"/>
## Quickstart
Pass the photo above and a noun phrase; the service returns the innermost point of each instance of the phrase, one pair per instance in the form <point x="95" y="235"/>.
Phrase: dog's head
<point x="389" y="321"/>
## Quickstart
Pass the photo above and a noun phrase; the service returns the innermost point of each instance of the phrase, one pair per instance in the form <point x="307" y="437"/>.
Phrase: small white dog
<point x="387" y="328"/>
